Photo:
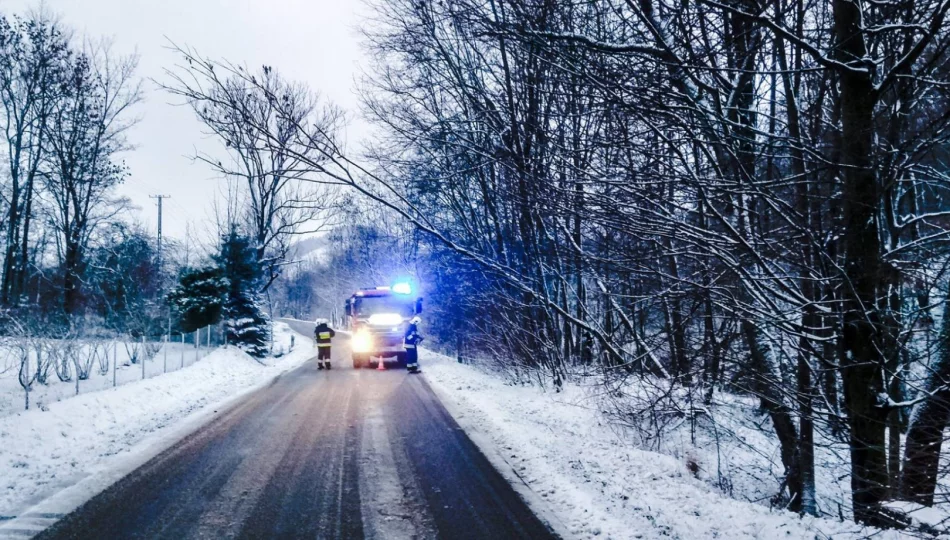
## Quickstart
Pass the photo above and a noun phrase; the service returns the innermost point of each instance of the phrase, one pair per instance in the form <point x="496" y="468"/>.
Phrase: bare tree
<point x="282" y="195"/>
<point x="91" y="122"/>
<point x="33" y="60"/>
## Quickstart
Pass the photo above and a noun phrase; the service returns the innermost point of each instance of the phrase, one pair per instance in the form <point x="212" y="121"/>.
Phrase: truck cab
<point x="378" y="318"/>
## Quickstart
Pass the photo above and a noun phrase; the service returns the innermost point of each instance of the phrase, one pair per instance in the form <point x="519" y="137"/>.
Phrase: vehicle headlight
<point x="385" y="319"/>
<point x="362" y="341"/>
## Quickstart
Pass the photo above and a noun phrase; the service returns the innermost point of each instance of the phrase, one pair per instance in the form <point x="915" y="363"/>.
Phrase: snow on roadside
<point x="42" y="452"/>
<point x="934" y="518"/>
<point x="597" y="485"/>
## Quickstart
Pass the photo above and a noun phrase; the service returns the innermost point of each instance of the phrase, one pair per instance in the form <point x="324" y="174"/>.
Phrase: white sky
<point x="313" y="41"/>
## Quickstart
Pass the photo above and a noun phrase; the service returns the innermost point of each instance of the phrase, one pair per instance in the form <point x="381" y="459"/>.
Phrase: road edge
<point x="46" y="513"/>
<point x="482" y="440"/>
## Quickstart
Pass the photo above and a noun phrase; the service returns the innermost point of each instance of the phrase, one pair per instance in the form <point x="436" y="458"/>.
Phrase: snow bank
<point x="932" y="518"/>
<point x="44" y="451"/>
<point x="730" y="442"/>
<point x="593" y="481"/>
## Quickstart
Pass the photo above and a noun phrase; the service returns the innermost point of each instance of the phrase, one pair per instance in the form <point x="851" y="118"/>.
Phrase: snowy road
<point x="340" y="454"/>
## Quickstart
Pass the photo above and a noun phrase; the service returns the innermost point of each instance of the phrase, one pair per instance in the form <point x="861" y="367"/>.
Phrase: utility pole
<point x="160" y="198"/>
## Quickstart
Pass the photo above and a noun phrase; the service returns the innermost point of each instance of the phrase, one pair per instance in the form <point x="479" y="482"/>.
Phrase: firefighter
<point x="412" y="341"/>
<point x="322" y="335"/>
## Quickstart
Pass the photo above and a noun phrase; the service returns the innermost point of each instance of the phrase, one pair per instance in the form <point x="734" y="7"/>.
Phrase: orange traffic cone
<point x="380" y="367"/>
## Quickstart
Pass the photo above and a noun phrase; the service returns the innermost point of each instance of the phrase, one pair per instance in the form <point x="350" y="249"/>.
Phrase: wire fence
<point x="195" y="344"/>
<point x="36" y="371"/>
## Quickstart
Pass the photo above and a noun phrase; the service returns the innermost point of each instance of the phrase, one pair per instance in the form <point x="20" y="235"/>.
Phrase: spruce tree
<point x="246" y="324"/>
<point x="199" y="298"/>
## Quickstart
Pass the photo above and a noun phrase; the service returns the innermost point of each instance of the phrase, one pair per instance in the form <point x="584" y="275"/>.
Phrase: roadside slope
<point x="597" y="485"/>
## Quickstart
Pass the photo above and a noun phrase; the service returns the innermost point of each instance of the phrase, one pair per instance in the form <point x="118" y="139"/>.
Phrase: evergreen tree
<point x="199" y="298"/>
<point x="246" y="323"/>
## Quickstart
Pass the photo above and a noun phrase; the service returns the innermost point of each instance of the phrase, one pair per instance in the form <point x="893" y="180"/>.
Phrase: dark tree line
<point x="736" y="195"/>
<point x="706" y="188"/>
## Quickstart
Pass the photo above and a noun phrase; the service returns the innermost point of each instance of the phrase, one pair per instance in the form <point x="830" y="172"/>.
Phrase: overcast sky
<point x="314" y="41"/>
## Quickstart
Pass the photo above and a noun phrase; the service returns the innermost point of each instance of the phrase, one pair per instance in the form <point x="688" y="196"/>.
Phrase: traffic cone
<point x="380" y="367"/>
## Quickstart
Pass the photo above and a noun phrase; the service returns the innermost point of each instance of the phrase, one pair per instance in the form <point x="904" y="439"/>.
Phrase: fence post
<point x="208" y="337"/>
<point x="197" y="343"/>
<point x="182" y="351"/>
<point x="115" y="359"/>
<point x="142" y="352"/>
<point x="165" y="354"/>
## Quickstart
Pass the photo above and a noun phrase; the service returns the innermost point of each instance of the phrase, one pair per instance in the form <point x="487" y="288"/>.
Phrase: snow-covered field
<point x="590" y="478"/>
<point x="97" y="437"/>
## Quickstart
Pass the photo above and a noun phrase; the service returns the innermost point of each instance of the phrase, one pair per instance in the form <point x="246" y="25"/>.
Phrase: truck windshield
<point x="371" y="305"/>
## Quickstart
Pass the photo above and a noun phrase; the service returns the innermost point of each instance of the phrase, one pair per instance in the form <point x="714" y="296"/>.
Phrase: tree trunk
<point x="12" y="239"/>
<point x="19" y="284"/>
<point x="810" y="317"/>
<point x="894" y="440"/>
<point x="71" y="275"/>
<point x="770" y="397"/>
<point x="713" y="354"/>
<point x="865" y="329"/>
<point x="928" y="420"/>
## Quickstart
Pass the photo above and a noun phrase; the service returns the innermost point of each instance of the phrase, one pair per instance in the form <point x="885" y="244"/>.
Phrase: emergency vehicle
<point x="378" y="318"/>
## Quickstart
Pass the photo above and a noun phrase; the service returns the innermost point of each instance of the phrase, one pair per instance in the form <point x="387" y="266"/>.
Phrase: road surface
<point x="340" y="454"/>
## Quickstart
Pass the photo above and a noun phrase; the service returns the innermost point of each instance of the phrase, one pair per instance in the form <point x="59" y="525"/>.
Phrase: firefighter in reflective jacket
<point x="322" y="335"/>
<point x="412" y="341"/>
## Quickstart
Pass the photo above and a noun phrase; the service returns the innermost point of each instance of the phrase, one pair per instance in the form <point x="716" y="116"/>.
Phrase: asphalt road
<point x="339" y="454"/>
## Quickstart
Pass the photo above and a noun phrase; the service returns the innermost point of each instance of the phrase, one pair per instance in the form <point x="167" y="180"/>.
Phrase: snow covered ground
<point x="588" y="476"/>
<point x="78" y="446"/>
<point x="156" y="358"/>
<point x="582" y="474"/>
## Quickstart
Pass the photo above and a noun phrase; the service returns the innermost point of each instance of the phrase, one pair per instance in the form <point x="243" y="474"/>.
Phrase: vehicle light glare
<point x="362" y="341"/>
<point x="385" y="319"/>
<point x="402" y="288"/>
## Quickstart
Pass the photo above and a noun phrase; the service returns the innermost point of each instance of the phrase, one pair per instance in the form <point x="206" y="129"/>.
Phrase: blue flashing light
<point x="402" y="288"/>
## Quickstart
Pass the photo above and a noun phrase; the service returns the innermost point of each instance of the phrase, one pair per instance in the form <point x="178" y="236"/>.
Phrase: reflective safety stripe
<point x="408" y="346"/>
<point x="323" y="344"/>
<point x="324" y="335"/>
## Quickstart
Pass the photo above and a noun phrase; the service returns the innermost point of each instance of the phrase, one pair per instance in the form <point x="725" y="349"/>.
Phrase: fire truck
<point x="378" y="318"/>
